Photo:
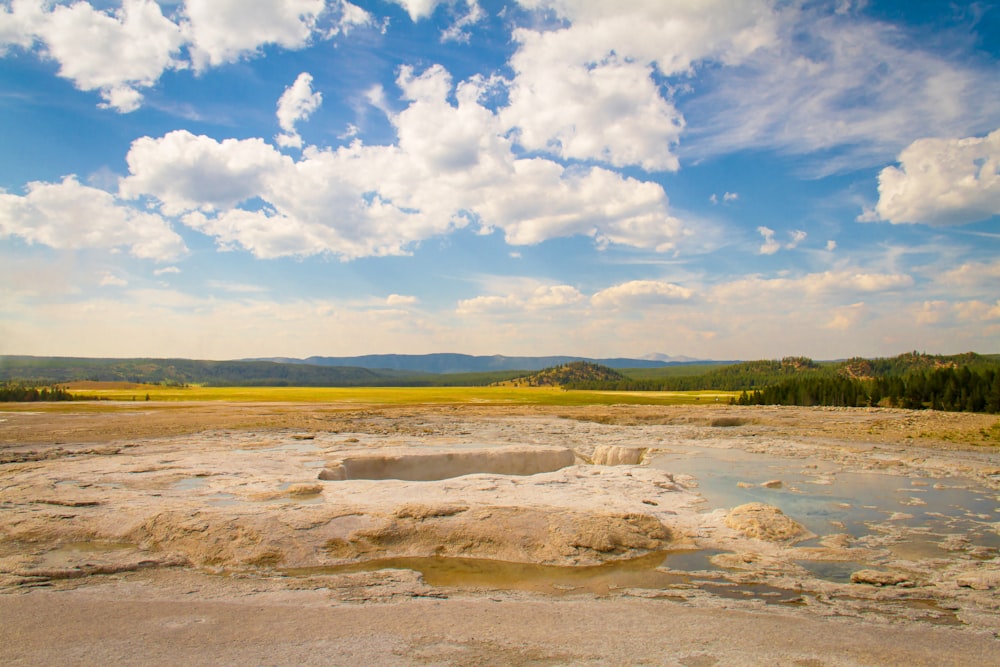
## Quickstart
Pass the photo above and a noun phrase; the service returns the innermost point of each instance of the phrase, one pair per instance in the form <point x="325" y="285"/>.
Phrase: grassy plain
<point x="398" y="395"/>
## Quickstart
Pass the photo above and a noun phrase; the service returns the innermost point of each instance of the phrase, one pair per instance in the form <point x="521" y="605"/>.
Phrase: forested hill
<point x="373" y="370"/>
<point x="60" y="370"/>
<point x="450" y="363"/>
<point x="750" y="375"/>
<point x="573" y="373"/>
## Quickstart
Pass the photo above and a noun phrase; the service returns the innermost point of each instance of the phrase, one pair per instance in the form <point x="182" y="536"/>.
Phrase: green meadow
<point x="404" y="395"/>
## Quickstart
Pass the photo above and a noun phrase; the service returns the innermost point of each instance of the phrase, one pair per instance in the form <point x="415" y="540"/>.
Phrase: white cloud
<point x="977" y="311"/>
<point x="185" y="171"/>
<point x="222" y="31"/>
<point x="798" y="236"/>
<point x="165" y="270"/>
<point x="115" y="53"/>
<point x="119" y="52"/>
<point x="587" y="91"/>
<point x="610" y="111"/>
<point x="842" y="281"/>
<point x="554" y="296"/>
<point x="847" y="317"/>
<point x="640" y="293"/>
<point x="839" y="81"/>
<point x="458" y="30"/>
<point x="109" y="279"/>
<point x="488" y="304"/>
<point x="234" y="287"/>
<point x="942" y="182"/>
<point x="344" y="16"/>
<point x="973" y="311"/>
<point x="769" y="246"/>
<point x="19" y="24"/>
<point x="401" y="300"/>
<point x="984" y="275"/>
<point x="930" y="312"/>
<point x="726" y="197"/>
<point x="297" y="103"/>
<point x="528" y="299"/>
<point x="453" y="165"/>
<point x="71" y="215"/>
<point x="419" y="9"/>
<point x="831" y="245"/>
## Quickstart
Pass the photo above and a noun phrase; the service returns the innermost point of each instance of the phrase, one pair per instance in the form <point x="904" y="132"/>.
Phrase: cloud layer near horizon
<point x="595" y="115"/>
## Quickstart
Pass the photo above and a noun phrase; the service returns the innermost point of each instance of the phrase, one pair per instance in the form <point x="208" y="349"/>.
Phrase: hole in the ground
<point x="428" y="465"/>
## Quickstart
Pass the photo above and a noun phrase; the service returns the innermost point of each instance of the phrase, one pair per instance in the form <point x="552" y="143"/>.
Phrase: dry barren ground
<point x="157" y="533"/>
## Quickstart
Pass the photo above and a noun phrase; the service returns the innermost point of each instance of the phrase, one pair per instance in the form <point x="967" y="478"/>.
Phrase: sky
<point x="710" y="179"/>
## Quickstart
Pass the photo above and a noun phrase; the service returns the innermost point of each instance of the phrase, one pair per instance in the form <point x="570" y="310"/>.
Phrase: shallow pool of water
<point x="645" y="572"/>
<point x="918" y="512"/>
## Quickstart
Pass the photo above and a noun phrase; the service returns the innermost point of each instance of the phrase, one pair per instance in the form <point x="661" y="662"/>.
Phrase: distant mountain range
<point x="371" y="370"/>
<point x="447" y="363"/>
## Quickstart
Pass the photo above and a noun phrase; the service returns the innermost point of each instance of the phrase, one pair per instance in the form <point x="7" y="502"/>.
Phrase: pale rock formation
<point x="765" y="522"/>
<point x="879" y="578"/>
<point x="616" y="455"/>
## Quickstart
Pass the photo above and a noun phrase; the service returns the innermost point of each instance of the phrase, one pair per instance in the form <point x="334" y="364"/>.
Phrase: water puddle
<point x="646" y="572"/>
<point x="910" y="516"/>
<point x="836" y="571"/>
<point x="691" y="561"/>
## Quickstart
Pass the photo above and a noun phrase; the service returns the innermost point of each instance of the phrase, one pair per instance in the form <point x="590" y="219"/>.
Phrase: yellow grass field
<point x="396" y="395"/>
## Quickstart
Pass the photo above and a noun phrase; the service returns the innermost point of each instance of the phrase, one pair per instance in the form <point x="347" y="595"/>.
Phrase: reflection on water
<point x="918" y="512"/>
<point x="645" y="572"/>
<point x="503" y="575"/>
<point x="836" y="571"/>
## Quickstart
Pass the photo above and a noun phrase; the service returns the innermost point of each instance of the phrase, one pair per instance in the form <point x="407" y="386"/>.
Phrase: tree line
<point x="28" y="393"/>
<point x="962" y="389"/>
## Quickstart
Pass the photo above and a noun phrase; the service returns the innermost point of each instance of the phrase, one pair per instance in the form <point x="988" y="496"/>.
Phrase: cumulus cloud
<point x="453" y="165"/>
<point x="115" y="52"/>
<point x="977" y="311"/>
<point x="118" y="52"/>
<point x="611" y="111"/>
<point x="942" y="182"/>
<point x="223" y="31"/>
<point x="401" y="300"/>
<point x="71" y="215"/>
<point x="540" y="298"/>
<point x="771" y="246"/>
<point x="588" y="90"/>
<point x="488" y="304"/>
<point x="419" y="9"/>
<point x="639" y="293"/>
<point x="984" y="275"/>
<point x="19" y="24"/>
<point x="297" y="103"/>
<point x="186" y="171"/>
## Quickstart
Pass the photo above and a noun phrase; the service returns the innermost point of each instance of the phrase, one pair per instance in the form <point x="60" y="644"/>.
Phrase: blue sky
<point x="727" y="179"/>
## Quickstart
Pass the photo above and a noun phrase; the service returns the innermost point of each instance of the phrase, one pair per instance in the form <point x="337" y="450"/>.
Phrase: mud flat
<point x="338" y="534"/>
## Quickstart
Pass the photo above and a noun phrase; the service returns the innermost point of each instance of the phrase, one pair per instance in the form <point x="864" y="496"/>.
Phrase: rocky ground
<point x="203" y="533"/>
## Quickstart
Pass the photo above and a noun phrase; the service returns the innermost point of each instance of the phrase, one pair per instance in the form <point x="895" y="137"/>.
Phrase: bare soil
<point x="72" y="477"/>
